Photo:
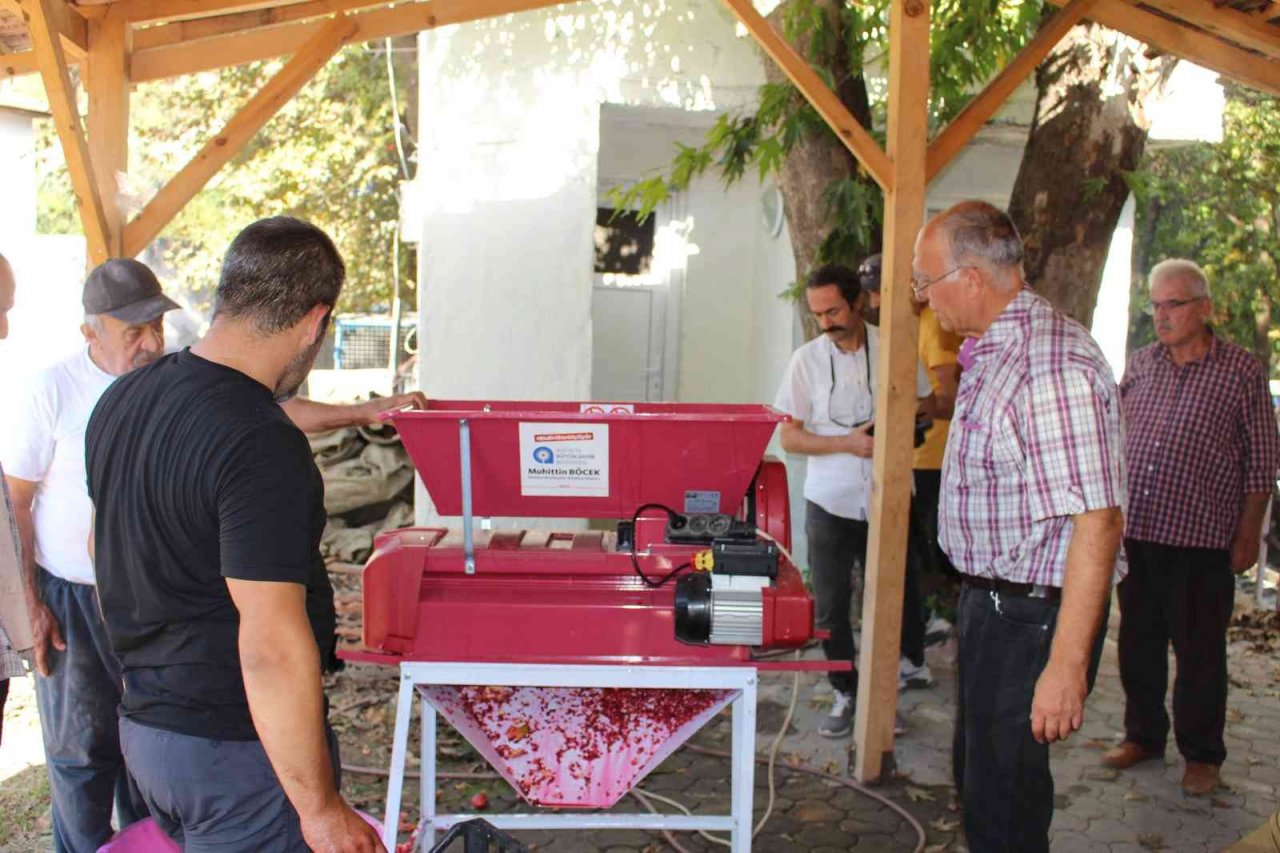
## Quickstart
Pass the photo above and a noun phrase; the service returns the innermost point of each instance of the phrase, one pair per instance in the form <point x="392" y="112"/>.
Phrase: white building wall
<point x="507" y="188"/>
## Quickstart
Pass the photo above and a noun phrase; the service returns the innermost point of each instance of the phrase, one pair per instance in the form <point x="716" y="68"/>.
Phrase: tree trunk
<point x="1148" y="217"/>
<point x="1089" y="130"/>
<point x="813" y="164"/>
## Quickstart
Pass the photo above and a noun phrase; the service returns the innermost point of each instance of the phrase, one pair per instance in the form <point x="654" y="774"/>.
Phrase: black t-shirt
<point x="197" y="475"/>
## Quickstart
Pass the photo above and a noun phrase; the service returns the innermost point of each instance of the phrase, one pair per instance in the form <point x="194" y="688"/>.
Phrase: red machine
<point x="682" y="578"/>
<point x="575" y="662"/>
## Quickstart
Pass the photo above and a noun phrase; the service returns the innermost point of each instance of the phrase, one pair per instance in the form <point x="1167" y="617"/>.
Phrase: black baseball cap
<point x="126" y="290"/>
<point x="869" y="273"/>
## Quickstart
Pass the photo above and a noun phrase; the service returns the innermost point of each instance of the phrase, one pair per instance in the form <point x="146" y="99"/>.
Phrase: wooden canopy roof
<point x="124" y="42"/>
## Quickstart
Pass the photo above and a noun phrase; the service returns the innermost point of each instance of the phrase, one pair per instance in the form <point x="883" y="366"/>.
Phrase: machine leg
<point x="744" y="766"/>
<point x="427" y="795"/>
<point x="399" y="748"/>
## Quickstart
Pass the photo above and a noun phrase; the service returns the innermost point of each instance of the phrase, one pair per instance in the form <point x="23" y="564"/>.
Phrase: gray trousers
<point x="214" y="795"/>
<point x="78" y="702"/>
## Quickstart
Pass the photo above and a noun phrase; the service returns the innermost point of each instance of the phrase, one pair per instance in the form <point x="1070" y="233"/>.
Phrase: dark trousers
<point x="1001" y="772"/>
<point x="78" y="715"/>
<point x="215" y="795"/>
<point x="838" y="548"/>
<point x="1182" y="596"/>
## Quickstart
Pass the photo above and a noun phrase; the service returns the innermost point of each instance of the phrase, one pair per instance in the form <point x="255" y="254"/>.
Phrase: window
<point x="624" y="243"/>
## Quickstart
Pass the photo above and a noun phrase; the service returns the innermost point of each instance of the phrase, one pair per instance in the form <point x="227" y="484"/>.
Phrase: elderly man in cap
<point x="78" y="684"/>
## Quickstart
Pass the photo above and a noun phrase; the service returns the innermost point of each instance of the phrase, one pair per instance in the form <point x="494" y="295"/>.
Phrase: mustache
<point x="142" y="359"/>
<point x="829" y="329"/>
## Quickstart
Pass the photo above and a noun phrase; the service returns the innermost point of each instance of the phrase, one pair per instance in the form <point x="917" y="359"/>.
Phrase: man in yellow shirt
<point x="938" y="351"/>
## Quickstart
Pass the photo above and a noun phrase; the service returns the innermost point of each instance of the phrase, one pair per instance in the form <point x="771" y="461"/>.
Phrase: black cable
<point x="672" y="515"/>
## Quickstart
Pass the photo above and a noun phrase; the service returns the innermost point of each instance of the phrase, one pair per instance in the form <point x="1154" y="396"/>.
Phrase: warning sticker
<point x="564" y="460"/>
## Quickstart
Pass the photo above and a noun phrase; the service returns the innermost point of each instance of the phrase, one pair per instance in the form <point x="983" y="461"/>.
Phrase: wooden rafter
<point x="253" y="45"/>
<point x="815" y="90"/>
<point x="67" y="24"/>
<point x="141" y="11"/>
<point x="1269" y="12"/>
<point x="908" y="130"/>
<point x="952" y="140"/>
<point x="1198" y="47"/>
<point x="17" y="64"/>
<point x="1224" y="22"/>
<point x="219" y="150"/>
<point x="52" y="62"/>
<point x="188" y="32"/>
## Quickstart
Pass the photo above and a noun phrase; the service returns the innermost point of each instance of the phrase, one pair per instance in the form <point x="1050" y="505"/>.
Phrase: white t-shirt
<point x="44" y="442"/>
<point x="840" y="483"/>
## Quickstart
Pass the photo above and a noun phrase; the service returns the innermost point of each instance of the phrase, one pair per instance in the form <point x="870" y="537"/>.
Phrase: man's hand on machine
<point x="412" y="400"/>
<point x="338" y="829"/>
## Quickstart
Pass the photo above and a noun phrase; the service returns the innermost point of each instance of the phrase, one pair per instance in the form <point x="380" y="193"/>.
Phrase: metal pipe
<point x="468" y="536"/>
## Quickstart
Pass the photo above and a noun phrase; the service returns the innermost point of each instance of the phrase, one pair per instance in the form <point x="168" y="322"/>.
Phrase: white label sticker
<point x="607" y="408"/>
<point x="564" y="460"/>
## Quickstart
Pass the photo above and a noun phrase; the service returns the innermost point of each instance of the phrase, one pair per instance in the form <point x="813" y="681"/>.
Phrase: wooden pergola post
<point x="895" y="390"/>
<point x="107" y="83"/>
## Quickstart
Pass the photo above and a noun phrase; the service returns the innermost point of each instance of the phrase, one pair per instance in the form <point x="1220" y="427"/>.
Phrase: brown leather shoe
<point x="1126" y="755"/>
<point x="1200" y="778"/>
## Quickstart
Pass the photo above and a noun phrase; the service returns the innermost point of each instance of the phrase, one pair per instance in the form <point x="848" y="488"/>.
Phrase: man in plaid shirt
<point x="1202" y="451"/>
<point x="1032" y="490"/>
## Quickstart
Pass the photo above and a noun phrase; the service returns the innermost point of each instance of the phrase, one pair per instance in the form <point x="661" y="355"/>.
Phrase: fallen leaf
<point x="937" y="848"/>
<point x="944" y="824"/>
<point x="1135" y="797"/>
<point x="919" y="795"/>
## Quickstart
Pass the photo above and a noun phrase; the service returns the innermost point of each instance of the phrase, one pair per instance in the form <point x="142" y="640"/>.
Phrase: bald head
<point x="7" y="287"/>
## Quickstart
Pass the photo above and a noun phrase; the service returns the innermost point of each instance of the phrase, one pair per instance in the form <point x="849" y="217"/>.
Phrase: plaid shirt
<point x="1035" y="440"/>
<point x="1198" y="437"/>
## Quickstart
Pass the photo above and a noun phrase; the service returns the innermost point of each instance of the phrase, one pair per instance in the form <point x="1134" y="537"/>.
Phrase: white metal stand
<point x="740" y="679"/>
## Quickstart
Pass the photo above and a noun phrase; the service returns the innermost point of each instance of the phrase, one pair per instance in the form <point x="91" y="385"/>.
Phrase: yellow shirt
<point x="938" y="347"/>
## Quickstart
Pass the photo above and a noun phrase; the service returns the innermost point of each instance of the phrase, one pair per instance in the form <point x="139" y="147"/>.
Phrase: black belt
<point x="1028" y="590"/>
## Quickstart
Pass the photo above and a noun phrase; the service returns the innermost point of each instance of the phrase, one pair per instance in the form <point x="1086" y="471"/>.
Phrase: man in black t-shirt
<point x="209" y="511"/>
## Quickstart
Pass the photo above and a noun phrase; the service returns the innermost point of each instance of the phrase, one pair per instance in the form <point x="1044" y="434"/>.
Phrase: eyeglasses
<point x="1172" y="304"/>
<point x="919" y="283"/>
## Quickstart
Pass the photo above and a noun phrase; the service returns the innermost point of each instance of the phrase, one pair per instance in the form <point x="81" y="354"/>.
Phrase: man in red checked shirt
<point x="1202" y="450"/>
<point x="1032" y="486"/>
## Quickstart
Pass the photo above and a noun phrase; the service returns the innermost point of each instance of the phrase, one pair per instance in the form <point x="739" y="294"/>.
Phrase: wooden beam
<point x="253" y="45"/>
<point x="827" y="103"/>
<point x="107" y="81"/>
<point x="908" y="137"/>
<point x="143" y="11"/>
<point x="52" y="62"/>
<point x="187" y="32"/>
<point x="1180" y="40"/>
<point x="1269" y="12"/>
<point x="979" y="111"/>
<point x="242" y="127"/>
<point x="68" y="25"/>
<point x="18" y="64"/>
<point x="1225" y="23"/>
